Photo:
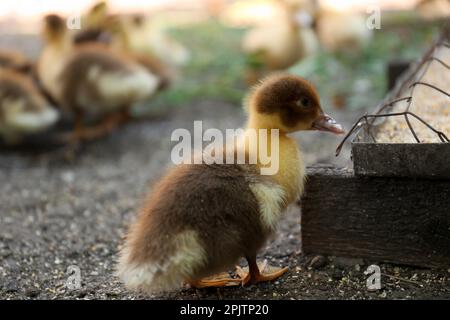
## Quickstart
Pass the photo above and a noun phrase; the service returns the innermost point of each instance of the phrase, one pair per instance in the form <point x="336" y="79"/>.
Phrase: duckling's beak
<point x="327" y="123"/>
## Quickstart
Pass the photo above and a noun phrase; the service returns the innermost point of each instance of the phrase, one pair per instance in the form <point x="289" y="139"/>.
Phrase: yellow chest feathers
<point x="286" y="184"/>
<point x="286" y="165"/>
<point x="291" y="172"/>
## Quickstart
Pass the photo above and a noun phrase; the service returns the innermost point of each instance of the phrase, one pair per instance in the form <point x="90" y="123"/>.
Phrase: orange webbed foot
<point x="215" y="281"/>
<point x="259" y="273"/>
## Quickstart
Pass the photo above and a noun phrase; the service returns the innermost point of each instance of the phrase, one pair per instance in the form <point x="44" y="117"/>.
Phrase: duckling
<point x="145" y="36"/>
<point x="340" y="31"/>
<point x="112" y="31"/>
<point x="201" y="219"/>
<point x="91" y="80"/>
<point x="281" y="43"/>
<point x="23" y="109"/>
<point x="120" y="40"/>
<point x="138" y="34"/>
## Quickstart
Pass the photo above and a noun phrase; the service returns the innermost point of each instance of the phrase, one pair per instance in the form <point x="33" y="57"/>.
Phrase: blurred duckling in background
<point x="24" y="111"/>
<point x="341" y="31"/>
<point x="113" y="30"/>
<point x="109" y="35"/>
<point x="91" y="80"/>
<point x="120" y="40"/>
<point x="281" y="43"/>
<point x="200" y="219"/>
<point x="138" y="34"/>
<point x="149" y="37"/>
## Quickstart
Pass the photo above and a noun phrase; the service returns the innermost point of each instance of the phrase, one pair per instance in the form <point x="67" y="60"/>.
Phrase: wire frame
<point x="414" y="79"/>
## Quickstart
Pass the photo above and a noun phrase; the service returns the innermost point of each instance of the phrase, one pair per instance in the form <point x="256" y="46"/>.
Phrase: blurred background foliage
<point x="353" y="81"/>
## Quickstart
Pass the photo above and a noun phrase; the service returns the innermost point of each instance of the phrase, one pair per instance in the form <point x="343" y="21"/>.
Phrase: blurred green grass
<point x="216" y="68"/>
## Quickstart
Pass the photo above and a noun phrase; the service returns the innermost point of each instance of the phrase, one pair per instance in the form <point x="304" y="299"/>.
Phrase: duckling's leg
<point x="105" y="127"/>
<point x="257" y="274"/>
<point x="108" y="125"/>
<point x="220" y="280"/>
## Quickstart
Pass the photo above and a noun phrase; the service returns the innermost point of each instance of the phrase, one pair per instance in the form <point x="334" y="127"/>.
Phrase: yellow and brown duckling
<point x="200" y="219"/>
<point x="23" y="109"/>
<point x="91" y="80"/>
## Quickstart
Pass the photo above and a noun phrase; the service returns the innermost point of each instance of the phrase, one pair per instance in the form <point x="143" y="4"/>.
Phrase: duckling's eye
<point x="304" y="102"/>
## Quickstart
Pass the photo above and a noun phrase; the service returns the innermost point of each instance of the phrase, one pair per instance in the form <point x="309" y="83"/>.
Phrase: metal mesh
<point x="413" y="79"/>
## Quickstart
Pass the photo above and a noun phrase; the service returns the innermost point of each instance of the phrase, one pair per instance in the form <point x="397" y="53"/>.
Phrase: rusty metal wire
<point x="416" y="80"/>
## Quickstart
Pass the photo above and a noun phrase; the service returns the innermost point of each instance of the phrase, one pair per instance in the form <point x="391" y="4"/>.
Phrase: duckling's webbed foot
<point x="261" y="273"/>
<point x="219" y="280"/>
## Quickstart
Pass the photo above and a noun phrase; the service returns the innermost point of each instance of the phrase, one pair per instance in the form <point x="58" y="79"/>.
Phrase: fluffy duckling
<point x="23" y="109"/>
<point x="201" y="219"/>
<point x="91" y="80"/>
<point x="341" y="31"/>
<point x="120" y="40"/>
<point x="281" y="43"/>
<point x="148" y="37"/>
<point x="114" y="31"/>
<point x="137" y="34"/>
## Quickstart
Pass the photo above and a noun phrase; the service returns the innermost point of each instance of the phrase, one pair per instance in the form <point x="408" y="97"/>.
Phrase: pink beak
<point x="327" y="123"/>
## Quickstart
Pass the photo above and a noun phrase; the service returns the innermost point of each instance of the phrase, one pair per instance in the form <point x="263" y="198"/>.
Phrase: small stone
<point x="336" y="274"/>
<point x="342" y="263"/>
<point x="318" y="262"/>
<point x="10" y="287"/>
<point x="68" y="177"/>
<point x="32" y="292"/>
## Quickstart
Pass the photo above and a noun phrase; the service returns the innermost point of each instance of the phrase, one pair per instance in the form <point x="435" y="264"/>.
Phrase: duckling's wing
<point x="97" y="78"/>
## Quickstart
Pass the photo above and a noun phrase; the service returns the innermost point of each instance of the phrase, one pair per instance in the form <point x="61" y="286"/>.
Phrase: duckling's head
<point x="117" y="28"/>
<point x="138" y="20"/>
<point x="288" y="103"/>
<point x="97" y="15"/>
<point x="54" y="28"/>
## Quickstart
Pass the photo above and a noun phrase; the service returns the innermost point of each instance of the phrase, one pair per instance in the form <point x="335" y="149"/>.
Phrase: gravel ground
<point x="56" y="212"/>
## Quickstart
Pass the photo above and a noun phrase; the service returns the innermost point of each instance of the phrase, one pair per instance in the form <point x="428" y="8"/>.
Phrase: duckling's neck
<point x="291" y="171"/>
<point x="59" y="43"/>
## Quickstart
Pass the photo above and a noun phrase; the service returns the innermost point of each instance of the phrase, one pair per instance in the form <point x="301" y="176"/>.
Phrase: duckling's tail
<point x="162" y="271"/>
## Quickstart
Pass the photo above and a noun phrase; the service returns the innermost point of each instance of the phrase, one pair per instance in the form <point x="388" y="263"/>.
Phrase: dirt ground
<point x="56" y="212"/>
